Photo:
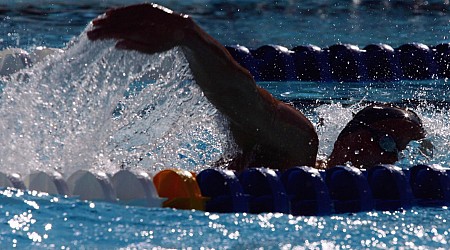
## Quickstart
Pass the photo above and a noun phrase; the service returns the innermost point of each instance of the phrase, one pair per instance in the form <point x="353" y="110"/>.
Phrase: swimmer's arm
<point x="229" y="86"/>
<point x="150" y="28"/>
<point x="253" y="112"/>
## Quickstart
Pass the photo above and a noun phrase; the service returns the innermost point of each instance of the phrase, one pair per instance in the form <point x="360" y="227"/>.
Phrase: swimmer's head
<point x="375" y="135"/>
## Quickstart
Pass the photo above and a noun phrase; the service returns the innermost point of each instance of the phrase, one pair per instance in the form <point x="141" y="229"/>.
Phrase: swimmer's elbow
<point x="310" y="133"/>
<point x="314" y="145"/>
<point x="187" y="33"/>
<point x="314" y="141"/>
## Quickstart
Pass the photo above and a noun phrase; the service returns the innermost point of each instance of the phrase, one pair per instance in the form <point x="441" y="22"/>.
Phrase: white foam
<point x="79" y="110"/>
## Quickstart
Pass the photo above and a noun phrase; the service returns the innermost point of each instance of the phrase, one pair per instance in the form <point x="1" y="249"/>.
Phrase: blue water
<point x="42" y="221"/>
<point x="46" y="221"/>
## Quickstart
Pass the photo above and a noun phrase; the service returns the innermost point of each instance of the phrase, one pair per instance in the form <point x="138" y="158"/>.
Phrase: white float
<point x="91" y="186"/>
<point x="39" y="53"/>
<point x="5" y="181"/>
<point x="136" y="188"/>
<point x="13" y="60"/>
<point x="52" y="183"/>
<point x="16" y="180"/>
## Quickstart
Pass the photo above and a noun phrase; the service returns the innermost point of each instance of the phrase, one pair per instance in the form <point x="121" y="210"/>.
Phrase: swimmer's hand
<point x="426" y="147"/>
<point x="148" y="28"/>
<point x="257" y="119"/>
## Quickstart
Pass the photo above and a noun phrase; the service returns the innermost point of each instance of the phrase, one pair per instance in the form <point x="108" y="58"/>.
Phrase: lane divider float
<point x="92" y="186"/>
<point x="297" y="191"/>
<point x="15" y="59"/>
<point x="336" y="63"/>
<point x="136" y="188"/>
<point x="180" y="188"/>
<point x="345" y="62"/>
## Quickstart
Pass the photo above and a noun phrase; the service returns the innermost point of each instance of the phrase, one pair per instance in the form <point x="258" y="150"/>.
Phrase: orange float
<point x="181" y="189"/>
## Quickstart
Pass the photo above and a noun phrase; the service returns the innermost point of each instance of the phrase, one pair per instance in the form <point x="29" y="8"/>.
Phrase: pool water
<point x="55" y="222"/>
<point x="93" y="107"/>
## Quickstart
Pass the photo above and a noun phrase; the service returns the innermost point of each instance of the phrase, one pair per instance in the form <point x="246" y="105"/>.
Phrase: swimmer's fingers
<point x="140" y="14"/>
<point x="144" y="24"/>
<point x="106" y="19"/>
<point x="103" y="33"/>
<point x="426" y="147"/>
<point x="147" y="38"/>
<point x="111" y="18"/>
<point x="100" y="21"/>
<point x="104" y="28"/>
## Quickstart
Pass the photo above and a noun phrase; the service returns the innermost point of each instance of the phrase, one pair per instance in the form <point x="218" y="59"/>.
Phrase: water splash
<point x="96" y="107"/>
<point x="435" y="121"/>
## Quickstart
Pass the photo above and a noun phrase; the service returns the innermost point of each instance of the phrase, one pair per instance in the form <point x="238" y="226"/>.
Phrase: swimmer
<point x="376" y="135"/>
<point x="268" y="132"/>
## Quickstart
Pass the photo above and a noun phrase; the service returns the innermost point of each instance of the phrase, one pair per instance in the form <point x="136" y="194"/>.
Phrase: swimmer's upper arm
<point x="232" y="89"/>
<point x="150" y="28"/>
<point x="252" y="111"/>
<point x="228" y="86"/>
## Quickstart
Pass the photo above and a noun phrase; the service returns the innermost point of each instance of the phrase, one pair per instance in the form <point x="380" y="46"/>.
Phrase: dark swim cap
<point x="378" y="112"/>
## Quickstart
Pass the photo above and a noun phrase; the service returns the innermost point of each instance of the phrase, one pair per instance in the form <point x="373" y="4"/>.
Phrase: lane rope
<point x="297" y="191"/>
<point x="345" y="62"/>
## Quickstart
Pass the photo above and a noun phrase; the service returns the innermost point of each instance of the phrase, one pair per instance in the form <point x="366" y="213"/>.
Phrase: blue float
<point x="275" y="63"/>
<point x="442" y="59"/>
<point x="265" y="190"/>
<point x="430" y="185"/>
<point x="381" y="63"/>
<point x="310" y="63"/>
<point x="348" y="189"/>
<point x="307" y="191"/>
<point x="390" y="188"/>
<point x="345" y="62"/>
<point x="416" y="61"/>
<point x="224" y="190"/>
<point x="341" y="189"/>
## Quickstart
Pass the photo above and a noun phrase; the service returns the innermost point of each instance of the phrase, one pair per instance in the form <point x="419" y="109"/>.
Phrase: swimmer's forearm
<point x="252" y="110"/>
<point x="234" y="92"/>
<point x="228" y="86"/>
<point x="150" y="28"/>
<point x="255" y="115"/>
<point x="198" y="42"/>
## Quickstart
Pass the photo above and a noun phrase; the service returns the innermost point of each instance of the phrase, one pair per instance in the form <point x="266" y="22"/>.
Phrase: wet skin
<point x="269" y="132"/>
<point x="362" y="147"/>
